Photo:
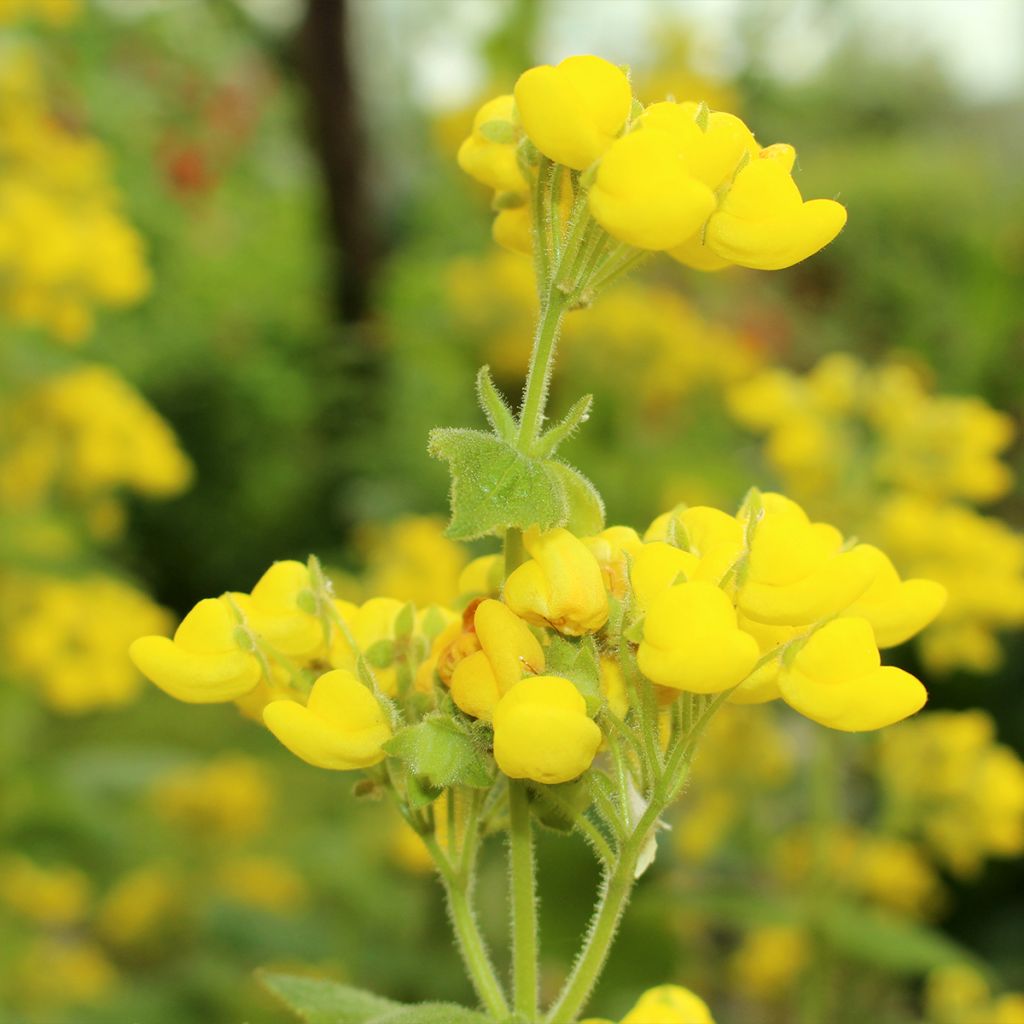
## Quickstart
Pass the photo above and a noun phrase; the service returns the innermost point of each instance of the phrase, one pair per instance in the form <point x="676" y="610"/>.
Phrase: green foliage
<point x="319" y="1001"/>
<point x="439" y="750"/>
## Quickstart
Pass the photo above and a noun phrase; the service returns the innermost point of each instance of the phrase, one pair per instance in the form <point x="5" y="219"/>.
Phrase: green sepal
<point x="405" y="621"/>
<point x="494" y="487"/>
<point x="585" y="507"/>
<point x="495" y="408"/>
<point x="381" y="654"/>
<point x="558" y="807"/>
<point x="577" y="661"/>
<point x="320" y="1001"/>
<point x="433" y="622"/>
<point x="420" y="791"/>
<point x="501" y="132"/>
<point x="578" y="414"/>
<point x="441" y="751"/>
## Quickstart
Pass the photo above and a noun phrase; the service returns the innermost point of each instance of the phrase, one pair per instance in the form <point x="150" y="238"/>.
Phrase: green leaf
<point x="565" y="427"/>
<point x="495" y="487"/>
<point x="432" y="1013"/>
<point x="442" y="752"/>
<point x="495" y="408"/>
<point x="421" y="792"/>
<point x="586" y="509"/>
<point x="884" y="940"/>
<point x="319" y="1001"/>
<point x="577" y="661"/>
<point x="502" y="132"/>
<point x="405" y="621"/>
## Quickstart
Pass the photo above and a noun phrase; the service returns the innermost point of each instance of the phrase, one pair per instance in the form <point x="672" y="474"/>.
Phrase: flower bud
<point x="573" y="112"/>
<point x="513" y="230"/>
<point x="837" y="679"/>
<point x="341" y="728"/>
<point x="613" y="548"/>
<point x="560" y="586"/>
<point x="542" y="732"/>
<point x="492" y="163"/>
<point x="203" y="664"/>
<point x="508" y="651"/>
<point x="645" y="194"/>
<point x="669" y="1004"/>
<point x="692" y="641"/>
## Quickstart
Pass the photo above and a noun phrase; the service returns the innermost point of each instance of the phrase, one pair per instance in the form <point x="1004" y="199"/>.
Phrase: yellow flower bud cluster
<point x="67" y="637"/>
<point x="81" y="437"/>
<point x="66" y="249"/>
<point x="961" y="994"/>
<point x="669" y="177"/>
<point x="874" y="449"/>
<point x="666" y="1004"/>
<point x="950" y="783"/>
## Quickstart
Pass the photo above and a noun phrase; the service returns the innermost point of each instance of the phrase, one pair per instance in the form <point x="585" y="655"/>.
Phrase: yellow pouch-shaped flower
<point x="542" y="732"/>
<point x="482" y="576"/>
<point x="273" y="611"/>
<point x="613" y="548"/>
<point x="513" y="230"/>
<point x="762" y="684"/>
<point x="657" y="567"/>
<point x="797" y="573"/>
<point x="669" y="1004"/>
<point x="837" y="679"/>
<point x="203" y="664"/>
<point x="492" y="163"/>
<point x="897" y="609"/>
<point x="560" y="586"/>
<point x="763" y="221"/>
<point x="341" y="728"/>
<point x="692" y="641"/>
<point x="508" y="651"/>
<point x="712" y="155"/>
<point x="370" y="622"/>
<point x="645" y="194"/>
<point x="573" y="112"/>
<point x="713" y="537"/>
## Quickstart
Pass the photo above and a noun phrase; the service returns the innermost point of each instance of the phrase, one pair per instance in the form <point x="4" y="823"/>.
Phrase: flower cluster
<point x="66" y="637"/>
<point x="875" y="450"/>
<point x="66" y="249"/>
<point x="669" y="177"/>
<point x="961" y="994"/>
<point x="948" y="782"/>
<point x="81" y="437"/>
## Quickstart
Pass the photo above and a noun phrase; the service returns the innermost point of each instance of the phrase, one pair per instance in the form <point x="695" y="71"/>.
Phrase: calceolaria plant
<point x="571" y="683"/>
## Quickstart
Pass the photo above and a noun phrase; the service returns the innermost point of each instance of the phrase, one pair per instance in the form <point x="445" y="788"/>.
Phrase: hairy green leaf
<point x="441" y="752"/>
<point x="432" y="1013"/>
<point x="319" y="1001"/>
<point x="495" y="408"/>
<point x="586" y="509"/>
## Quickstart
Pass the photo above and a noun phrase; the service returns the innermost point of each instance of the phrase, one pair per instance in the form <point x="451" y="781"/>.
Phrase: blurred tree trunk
<point x="325" y="68"/>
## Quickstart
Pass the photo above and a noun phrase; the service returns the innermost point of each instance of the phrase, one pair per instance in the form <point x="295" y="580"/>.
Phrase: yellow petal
<point x="193" y="677"/>
<point x="669" y="1004"/>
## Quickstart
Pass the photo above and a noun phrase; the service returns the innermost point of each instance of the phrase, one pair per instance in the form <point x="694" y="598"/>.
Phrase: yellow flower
<point x="492" y="163"/>
<point x="371" y="622"/>
<point x="769" y="960"/>
<point x="763" y="683"/>
<point x="512" y="229"/>
<point x="837" y="679"/>
<point x="341" y="728"/>
<point x="763" y="222"/>
<point x="645" y="194"/>
<point x="203" y="664"/>
<point x="613" y="548"/>
<point x="714" y="539"/>
<point x="656" y="567"/>
<point x="560" y="586"/>
<point x="542" y="732"/>
<point x="573" y="112"/>
<point x="508" y="651"/>
<point x="897" y="609"/>
<point x="692" y="642"/>
<point x="266" y="883"/>
<point x="669" y="1004"/>
<point x="273" y="611"/>
<point x="798" y="572"/>
<point x="482" y="576"/>
<point x="55" y="896"/>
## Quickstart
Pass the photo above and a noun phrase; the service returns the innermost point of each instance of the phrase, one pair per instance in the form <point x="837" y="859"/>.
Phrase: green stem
<point x="538" y="378"/>
<point x="458" y="890"/>
<point x="515" y="553"/>
<point x="524" y="902"/>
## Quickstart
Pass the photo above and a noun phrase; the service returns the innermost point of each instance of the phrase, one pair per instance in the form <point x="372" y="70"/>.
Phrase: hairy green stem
<point x="542" y="358"/>
<point x="523" y="875"/>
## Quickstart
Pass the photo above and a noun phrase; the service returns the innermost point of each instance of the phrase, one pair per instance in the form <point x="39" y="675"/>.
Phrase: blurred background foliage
<point x="240" y="279"/>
